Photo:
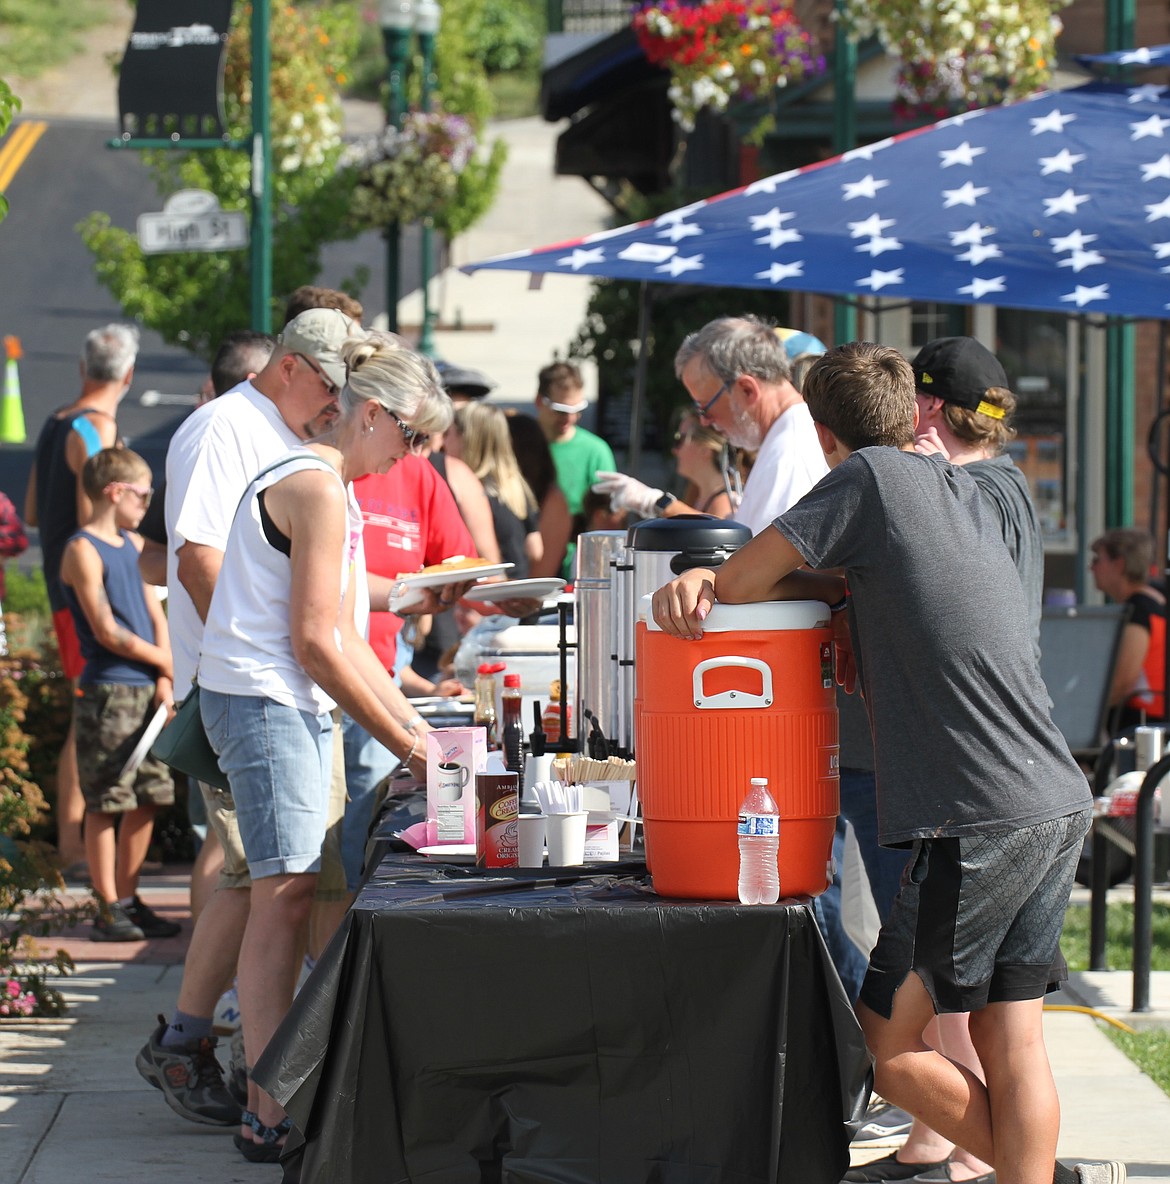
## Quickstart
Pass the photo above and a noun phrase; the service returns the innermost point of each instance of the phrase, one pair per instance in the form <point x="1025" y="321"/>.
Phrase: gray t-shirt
<point x="963" y="740"/>
<point x="1005" y="492"/>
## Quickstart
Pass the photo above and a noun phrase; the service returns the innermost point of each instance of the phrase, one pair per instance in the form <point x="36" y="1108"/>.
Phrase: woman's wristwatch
<point x="667" y="499"/>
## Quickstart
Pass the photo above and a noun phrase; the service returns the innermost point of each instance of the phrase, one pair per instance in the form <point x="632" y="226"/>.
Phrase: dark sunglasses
<point x="411" y="437"/>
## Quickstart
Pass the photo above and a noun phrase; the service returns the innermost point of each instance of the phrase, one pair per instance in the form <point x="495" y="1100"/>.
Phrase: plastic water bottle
<point x="759" y="846"/>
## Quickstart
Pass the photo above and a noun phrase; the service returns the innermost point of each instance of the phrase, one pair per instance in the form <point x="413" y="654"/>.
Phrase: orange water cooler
<point x="754" y="697"/>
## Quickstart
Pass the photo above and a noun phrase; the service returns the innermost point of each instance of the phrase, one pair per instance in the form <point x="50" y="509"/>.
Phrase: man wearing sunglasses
<point x="737" y="373"/>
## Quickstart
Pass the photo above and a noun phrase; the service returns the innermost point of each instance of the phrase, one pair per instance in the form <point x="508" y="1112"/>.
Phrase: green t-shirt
<point x="578" y="461"/>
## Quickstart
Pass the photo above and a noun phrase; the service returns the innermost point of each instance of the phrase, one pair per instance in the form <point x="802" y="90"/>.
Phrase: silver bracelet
<point x="410" y="755"/>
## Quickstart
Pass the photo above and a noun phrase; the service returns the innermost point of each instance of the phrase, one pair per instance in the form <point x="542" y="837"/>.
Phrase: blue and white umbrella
<point x="1058" y="202"/>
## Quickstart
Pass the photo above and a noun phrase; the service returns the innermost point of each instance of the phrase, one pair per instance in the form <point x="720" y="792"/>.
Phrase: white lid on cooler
<point x="770" y="615"/>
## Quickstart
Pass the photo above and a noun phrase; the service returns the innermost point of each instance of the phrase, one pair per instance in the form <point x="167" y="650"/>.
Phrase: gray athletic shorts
<point x="979" y="917"/>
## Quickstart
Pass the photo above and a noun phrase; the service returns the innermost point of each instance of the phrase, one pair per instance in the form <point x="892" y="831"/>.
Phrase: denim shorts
<point x="979" y="918"/>
<point x="278" y="761"/>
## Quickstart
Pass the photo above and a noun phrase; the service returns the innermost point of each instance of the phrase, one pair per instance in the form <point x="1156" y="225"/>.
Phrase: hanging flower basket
<point x="724" y="51"/>
<point x="962" y="53"/>
<point x="404" y="176"/>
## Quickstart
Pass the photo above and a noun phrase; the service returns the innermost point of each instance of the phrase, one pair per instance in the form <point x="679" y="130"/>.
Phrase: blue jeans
<point x="278" y="761"/>
<point x="883" y="866"/>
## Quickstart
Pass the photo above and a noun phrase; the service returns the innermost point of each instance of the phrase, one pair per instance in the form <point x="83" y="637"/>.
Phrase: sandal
<point x="266" y="1148"/>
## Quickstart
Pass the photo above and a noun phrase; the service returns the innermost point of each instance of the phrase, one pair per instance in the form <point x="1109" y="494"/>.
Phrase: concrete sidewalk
<point x="72" y="1104"/>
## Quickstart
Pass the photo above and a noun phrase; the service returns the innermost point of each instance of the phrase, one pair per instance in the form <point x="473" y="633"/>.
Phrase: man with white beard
<point x="737" y="372"/>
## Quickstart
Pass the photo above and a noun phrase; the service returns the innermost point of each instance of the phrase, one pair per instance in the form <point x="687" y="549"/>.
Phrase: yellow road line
<point x="14" y="151"/>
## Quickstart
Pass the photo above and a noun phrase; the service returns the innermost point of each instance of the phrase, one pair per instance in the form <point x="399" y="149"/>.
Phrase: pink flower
<point x="13" y="988"/>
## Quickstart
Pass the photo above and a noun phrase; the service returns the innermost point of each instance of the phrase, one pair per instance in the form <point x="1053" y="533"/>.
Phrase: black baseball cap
<point x="959" y="370"/>
<point x="462" y="380"/>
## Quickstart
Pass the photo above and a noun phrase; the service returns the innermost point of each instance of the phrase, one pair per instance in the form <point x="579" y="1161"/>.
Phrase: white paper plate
<point x="406" y="588"/>
<point x="534" y="589"/>
<point x="450" y="852"/>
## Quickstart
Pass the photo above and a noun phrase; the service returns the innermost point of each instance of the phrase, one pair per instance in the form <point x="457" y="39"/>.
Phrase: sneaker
<point x="113" y="923"/>
<point x="190" y="1078"/>
<point x="150" y="922"/>
<point x="1110" y="1171"/>
<point x="889" y="1167"/>
<point x="227" y="1013"/>
<point x="884" y="1125"/>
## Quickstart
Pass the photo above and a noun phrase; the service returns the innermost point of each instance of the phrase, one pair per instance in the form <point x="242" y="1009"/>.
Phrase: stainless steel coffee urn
<point x="596" y="619"/>
<point x="656" y="551"/>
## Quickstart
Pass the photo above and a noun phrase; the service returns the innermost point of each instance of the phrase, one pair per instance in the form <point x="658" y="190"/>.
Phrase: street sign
<point x="191" y="220"/>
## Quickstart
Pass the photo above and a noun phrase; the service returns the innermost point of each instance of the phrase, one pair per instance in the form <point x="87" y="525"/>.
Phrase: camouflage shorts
<point x="110" y="719"/>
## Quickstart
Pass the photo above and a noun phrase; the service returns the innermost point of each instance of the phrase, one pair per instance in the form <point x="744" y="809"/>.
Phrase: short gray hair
<point x="110" y="352"/>
<point x="403" y="381"/>
<point x="731" y="346"/>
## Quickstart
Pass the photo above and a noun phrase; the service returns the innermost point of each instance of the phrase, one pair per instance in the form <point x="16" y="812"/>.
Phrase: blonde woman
<point x="281" y="649"/>
<point x="481" y="439"/>
<point x="698" y="456"/>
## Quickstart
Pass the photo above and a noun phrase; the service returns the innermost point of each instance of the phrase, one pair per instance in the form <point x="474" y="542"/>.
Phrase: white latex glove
<point x="626" y="493"/>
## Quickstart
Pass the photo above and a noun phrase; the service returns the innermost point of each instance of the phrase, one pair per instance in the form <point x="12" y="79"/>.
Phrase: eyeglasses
<point x="705" y="408"/>
<point x="411" y="437"/>
<point x="684" y="437"/>
<point x="326" y="381"/>
<point x="145" y="492"/>
<point x="564" y="408"/>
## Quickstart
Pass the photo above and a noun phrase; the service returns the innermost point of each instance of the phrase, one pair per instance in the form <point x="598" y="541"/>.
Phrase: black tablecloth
<point x="469" y="1027"/>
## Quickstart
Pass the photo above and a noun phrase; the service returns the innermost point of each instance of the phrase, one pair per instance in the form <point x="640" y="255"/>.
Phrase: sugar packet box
<point x="454" y="757"/>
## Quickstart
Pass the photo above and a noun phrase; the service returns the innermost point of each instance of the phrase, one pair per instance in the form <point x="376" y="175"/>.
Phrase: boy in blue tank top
<point x="127" y="675"/>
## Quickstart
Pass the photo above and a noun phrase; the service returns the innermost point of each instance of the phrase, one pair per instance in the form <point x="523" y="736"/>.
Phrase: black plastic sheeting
<point x="467" y="1027"/>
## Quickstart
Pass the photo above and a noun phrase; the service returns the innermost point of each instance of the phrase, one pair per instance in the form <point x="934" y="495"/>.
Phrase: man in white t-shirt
<point x="737" y="372"/>
<point x="212" y="457"/>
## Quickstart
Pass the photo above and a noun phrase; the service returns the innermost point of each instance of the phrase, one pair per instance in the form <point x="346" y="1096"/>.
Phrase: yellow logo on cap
<point x="926" y="378"/>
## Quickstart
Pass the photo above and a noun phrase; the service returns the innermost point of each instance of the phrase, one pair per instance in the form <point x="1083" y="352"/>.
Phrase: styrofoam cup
<point x="565" y="835"/>
<point x="532" y="840"/>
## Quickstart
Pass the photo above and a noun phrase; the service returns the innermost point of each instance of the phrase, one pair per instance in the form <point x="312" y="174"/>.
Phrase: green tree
<point x="9" y="105"/>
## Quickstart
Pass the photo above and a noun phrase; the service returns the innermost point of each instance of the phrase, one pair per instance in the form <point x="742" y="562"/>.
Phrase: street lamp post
<point x="427" y="15"/>
<point x="397" y="20"/>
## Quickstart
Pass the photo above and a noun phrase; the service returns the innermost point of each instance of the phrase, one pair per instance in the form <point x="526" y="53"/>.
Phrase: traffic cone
<point x="11" y="408"/>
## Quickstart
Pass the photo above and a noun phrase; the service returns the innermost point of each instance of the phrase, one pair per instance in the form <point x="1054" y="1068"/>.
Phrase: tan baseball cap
<point x="320" y="333"/>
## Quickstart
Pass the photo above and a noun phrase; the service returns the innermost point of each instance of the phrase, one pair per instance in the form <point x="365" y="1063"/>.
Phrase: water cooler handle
<point x="732" y="699"/>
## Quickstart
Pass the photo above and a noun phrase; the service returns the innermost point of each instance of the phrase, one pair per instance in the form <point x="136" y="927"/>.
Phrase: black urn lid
<point x="689" y="533"/>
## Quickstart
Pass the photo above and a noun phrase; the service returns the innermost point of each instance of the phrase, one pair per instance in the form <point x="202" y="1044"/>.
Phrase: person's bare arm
<point x="152" y="563"/>
<point x="1131" y="655"/>
<point x="556" y="528"/>
<point x="198" y="571"/>
<point x="81" y="570"/>
<point x="76" y="454"/>
<point x="164" y="689"/>
<point x="475" y="508"/>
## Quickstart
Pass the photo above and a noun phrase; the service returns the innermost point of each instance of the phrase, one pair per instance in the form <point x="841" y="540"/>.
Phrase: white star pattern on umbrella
<point x="768" y="184"/>
<point x="780" y="236"/>
<point x="781" y="271"/>
<point x="973" y="234"/>
<point x="874" y="224"/>
<point x="1066" y="203"/>
<point x="681" y="263"/>
<point x="679" y="230"/>
<point x="1161" y="250"/>
<point x="1082" y="295"/>
<point x="978" y="288"/>
<point x="976" y="253"/>
<point x="1076" y="241"/>
<point x="1161" y="210"/>
<point x="1145" y="94"/>
<point x="964" y="154"/>
<point x="868" y="186"/>
<point x="1079" y="260"/>
<point x="1135" y="57"/>
<point x="1054" y="121"/>
<point x="680" y="214"/>
<point x="966" y="195"/>
<point x="1157" y="168"/>
<point x="877" y="280"/>
<point x="1062" y="162"/>
<point x="1154" y="126"/>
<point x="866" y="151"/>
<point x="772" y="220"/>
<point x="580" y="258"/>
<point x="879" y="244"/>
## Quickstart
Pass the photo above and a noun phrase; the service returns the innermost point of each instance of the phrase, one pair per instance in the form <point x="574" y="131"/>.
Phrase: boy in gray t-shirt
<point x="971" y="772"/>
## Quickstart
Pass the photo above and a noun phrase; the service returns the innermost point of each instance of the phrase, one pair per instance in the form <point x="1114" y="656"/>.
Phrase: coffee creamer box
<point x="454" y="757"/>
